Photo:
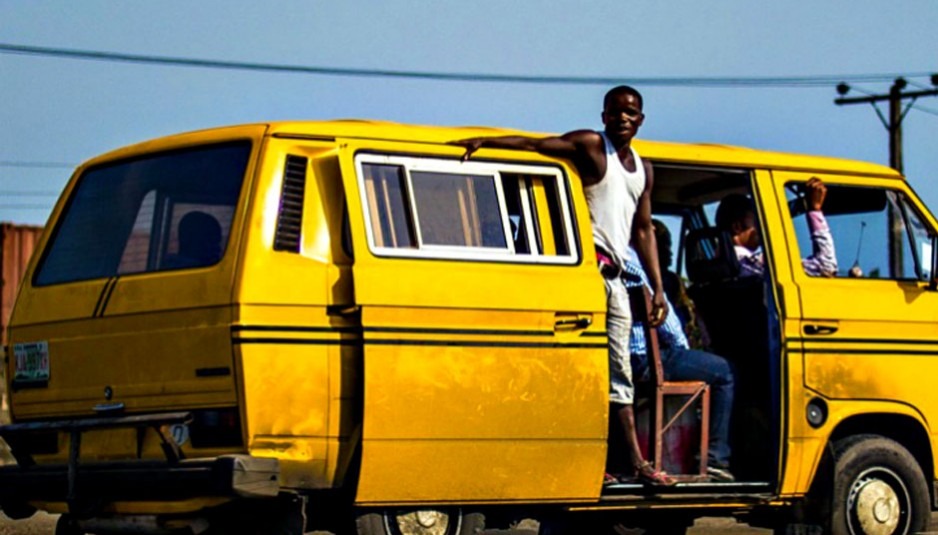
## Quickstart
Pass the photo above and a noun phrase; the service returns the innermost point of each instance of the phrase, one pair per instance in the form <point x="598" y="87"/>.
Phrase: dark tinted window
<point x="160" y="212"/>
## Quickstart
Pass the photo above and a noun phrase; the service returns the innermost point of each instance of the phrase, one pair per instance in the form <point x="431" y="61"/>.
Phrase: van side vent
<point x="290" y="215"/>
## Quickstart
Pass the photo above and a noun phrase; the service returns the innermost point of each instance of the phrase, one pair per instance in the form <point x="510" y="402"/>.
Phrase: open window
<point x="877" y="232"/>
<point x="436" y="208"/>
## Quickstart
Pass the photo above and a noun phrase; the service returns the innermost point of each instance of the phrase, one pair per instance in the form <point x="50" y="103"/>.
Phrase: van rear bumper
<point x="82" y="484"/>
<point x="229" y="475"/>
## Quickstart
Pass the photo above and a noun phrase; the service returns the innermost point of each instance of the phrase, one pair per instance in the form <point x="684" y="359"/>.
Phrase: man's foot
<point x="721" y="475"/>
<point x="657" y="478"/>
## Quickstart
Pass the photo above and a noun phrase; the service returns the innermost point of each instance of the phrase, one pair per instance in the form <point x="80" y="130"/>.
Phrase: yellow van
<point x="297" y="326"/>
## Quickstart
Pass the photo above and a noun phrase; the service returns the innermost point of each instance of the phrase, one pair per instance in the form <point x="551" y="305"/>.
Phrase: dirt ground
<point x="43" y="524"/>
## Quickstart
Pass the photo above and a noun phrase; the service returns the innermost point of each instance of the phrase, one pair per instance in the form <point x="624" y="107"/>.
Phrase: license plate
<point x="32" y="362"/>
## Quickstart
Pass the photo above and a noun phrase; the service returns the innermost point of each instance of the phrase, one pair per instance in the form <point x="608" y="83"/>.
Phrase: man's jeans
<point x="681" y="364"/>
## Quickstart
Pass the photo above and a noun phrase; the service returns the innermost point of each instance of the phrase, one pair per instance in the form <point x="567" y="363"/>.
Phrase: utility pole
<point x="896" y="114"/>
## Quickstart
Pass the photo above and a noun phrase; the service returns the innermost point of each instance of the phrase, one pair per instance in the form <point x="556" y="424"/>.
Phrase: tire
<point x="667" y="530"/>
<point x="284" y="515"/>
<point x="556" y="525"/>
<point x="66" y="525"/>
<point x="419" y="522"/>
<point x="878" y="488"/>
<point x="676" y="526"/>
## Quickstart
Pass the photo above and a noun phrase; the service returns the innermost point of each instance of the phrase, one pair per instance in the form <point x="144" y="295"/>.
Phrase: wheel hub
<point x="423" y="522"/>
<point x="877" y="507"/>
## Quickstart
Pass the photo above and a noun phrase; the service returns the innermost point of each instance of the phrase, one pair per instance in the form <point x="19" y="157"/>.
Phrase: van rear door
<point x="483" y="327"/>
<point x="130" y="299"/>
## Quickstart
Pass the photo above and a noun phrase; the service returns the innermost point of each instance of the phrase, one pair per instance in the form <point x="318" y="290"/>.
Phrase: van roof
<point x="688" y="153"/>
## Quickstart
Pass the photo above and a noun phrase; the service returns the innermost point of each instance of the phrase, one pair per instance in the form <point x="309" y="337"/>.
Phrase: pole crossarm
<point x="893" y="123"/>
<point x="881" y="98"/>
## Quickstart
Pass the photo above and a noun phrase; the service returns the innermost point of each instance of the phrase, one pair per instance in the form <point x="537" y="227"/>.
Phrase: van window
<point x="425" y="207"/>
<point x="877" y="232"/>
<point x="161" y="212"/>
<point x="460" y="210"/>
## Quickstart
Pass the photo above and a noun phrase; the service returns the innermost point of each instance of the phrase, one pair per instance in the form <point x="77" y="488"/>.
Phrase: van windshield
<point x="159" y="212"/>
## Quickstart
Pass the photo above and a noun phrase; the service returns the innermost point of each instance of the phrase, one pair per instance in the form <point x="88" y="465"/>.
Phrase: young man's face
<point x="746" y="232"/>
<point x="622" y="117"/>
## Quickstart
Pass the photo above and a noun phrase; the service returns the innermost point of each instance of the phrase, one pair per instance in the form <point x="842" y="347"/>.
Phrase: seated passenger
<point x="199" y="242"/>
<point x="680" y="363"/>
<point x="674" y="289"/>
<point x="670" y="280"/>
<point x="737" y="216"/>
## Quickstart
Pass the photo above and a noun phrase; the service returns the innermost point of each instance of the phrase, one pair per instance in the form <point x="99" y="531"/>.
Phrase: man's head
<point x="663" y="238"/>
<point x="200" y="237"/>
<point x="622" y="113"/>
<point x="737" y="216"/>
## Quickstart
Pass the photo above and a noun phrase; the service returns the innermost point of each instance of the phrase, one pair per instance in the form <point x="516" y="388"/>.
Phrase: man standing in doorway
<point x="617" y="184"/>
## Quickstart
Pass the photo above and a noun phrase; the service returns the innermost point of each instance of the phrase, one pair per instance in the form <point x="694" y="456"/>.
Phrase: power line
<point x="665" y="81"/>
<point x="893" y="123"/>
<point x="28" y="194"/>
<point x="25" y="206"/>
<point x="35" y="164"/>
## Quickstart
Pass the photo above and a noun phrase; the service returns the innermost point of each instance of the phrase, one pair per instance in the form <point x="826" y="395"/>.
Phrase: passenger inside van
<point x="681" y="363"/>
<point x="199" y="242"/>
<point x="737" y="216"/>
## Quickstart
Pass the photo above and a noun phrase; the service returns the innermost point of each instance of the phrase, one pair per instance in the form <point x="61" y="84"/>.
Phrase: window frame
<point x="904" y="208"/>
<point x="495" y="171"/>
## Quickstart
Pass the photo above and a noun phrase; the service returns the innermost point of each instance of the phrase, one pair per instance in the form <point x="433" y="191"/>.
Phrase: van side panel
<point x="298" y="361"/>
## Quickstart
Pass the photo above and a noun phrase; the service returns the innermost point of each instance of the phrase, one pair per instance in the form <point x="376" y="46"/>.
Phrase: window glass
<point x="917" y="253"/>
<point x="556" y="215"/>
<point x="137" y="250"/>
<point x="386" y="194"/>
<point x="445" y="208"/>
<point x="196" y="232"/>
<point x="517" y="204"/>
<point x="134" y="216"/>
<point x="458" y="210"/>
<point x="876" y="233"/>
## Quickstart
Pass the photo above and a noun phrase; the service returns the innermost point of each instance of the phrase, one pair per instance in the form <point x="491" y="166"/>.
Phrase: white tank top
<point x="613" y="201"/>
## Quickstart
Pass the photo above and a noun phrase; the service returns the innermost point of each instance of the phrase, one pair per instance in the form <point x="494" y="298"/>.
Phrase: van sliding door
<point x="485" y="369"/>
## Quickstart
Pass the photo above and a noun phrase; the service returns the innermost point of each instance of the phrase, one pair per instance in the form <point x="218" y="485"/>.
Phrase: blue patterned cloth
<point x="670" y="333"/>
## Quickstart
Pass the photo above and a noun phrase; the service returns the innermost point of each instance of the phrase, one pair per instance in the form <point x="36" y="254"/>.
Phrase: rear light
<point x="215" y="428"/>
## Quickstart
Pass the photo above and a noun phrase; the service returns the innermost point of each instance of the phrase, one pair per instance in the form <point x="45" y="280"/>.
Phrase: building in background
<point x="17" y="243"/>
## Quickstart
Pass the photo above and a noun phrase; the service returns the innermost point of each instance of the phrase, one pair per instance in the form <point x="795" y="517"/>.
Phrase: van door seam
<point x="105" y="296"/>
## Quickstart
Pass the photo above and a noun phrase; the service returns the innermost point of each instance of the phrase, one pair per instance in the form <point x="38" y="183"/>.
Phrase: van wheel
<point x="878" y="488"/>
<point x="420" y="522"/>
<point x="67" y="525"/>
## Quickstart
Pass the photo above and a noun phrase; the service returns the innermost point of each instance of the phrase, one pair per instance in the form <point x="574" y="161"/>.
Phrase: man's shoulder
<point x="588" y="142"/>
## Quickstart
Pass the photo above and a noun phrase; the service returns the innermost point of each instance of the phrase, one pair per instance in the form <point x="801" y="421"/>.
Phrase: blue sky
<point x="67" y="110"/>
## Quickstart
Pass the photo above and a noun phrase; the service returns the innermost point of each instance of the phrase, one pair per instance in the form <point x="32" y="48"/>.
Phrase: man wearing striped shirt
<point x="737" y="216"/>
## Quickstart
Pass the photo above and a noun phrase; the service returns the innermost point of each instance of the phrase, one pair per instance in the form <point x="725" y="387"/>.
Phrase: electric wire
<point x="25" y="206"/>
<point x="36" y="164"/>
<point x="663" y="81"/>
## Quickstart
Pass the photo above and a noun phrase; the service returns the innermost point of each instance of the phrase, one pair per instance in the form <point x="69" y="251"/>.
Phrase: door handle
<point x="819" y="330"/>
<point x="571" y="322"/>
